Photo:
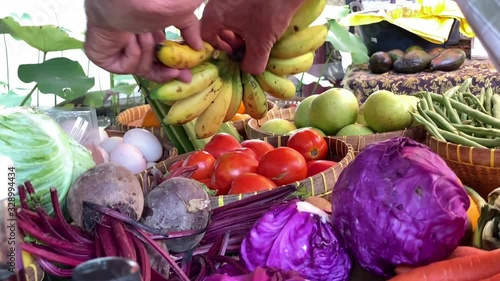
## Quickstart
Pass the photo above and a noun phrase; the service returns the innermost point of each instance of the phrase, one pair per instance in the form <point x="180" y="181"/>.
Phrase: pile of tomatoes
<point x="230" y="167"/>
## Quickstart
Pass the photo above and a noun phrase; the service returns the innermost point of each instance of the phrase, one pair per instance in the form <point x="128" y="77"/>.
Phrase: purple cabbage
<point x="297" y="236"/>
<point x="398" y="203"/>
<point x="259" y="274"/>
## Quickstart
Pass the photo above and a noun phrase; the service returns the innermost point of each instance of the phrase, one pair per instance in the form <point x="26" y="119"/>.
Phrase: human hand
<point x="123" y="41"/>
<point x="257" y="24"/>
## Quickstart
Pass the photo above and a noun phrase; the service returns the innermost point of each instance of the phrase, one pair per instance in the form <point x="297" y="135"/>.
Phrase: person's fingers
<point x="129" y="60"/>
<point x="190" y="32"/>
<point x="161" y="74"/>
<point x="222" y="45"/>
<point x="147" y="44"/>
<point x="185" y="75"/>
<point x="256" y="56"/>
<point x="231" y="38"/>
<point x="159" y="36"/>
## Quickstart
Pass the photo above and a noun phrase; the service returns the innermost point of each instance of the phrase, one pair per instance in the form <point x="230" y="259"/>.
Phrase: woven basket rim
<point x="471" y="152"/>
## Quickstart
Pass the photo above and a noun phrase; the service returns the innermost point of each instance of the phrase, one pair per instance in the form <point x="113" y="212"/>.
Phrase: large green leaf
<point x="60" y="76"/>
<point x="345" y="41"/>
<point x="46" y="38"/>
<point x="12" y="99"/>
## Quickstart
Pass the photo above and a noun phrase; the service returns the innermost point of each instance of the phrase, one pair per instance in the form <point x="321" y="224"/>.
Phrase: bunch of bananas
<point x="219" y="87"/>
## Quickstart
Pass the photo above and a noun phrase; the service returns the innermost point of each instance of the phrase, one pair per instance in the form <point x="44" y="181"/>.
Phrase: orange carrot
<point x="468" y="268"/>
<point x="464" y="251"/>
<point x="460" y="251"/>
<point x="495" y="277"/>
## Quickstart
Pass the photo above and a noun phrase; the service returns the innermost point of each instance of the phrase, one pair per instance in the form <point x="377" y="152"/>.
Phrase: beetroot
<point x="178" y="204"/>
<point x="109" y="185"/>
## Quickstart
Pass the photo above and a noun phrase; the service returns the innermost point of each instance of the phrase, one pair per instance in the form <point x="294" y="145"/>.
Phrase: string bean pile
<point x="460" y="117"/>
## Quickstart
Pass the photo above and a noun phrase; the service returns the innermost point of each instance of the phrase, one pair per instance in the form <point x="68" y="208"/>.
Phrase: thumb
<point x="190" y="32"/>
<point x="256" y="56"/>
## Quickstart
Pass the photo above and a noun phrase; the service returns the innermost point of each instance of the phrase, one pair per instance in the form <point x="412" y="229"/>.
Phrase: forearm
<point x="137" y="15"/>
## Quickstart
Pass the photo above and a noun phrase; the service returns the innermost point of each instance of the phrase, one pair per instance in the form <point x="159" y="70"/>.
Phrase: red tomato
<point x="310" y="144"/>
<point x="251" y="182"/>
<point x="317" y="166"/>
<point x="206" y="181"/>
<point x="220" y="144"/>
<point x="247" y="151"/>
<point x="260" y="147"/>
<point x="205" y="162"/>
<point x="229" y="166"/>
<point x="175" y="166"/>
<point x="283" y="165"/>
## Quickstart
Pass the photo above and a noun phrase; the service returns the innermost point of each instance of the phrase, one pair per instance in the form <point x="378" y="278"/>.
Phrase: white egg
<point x="128" y="156"/>
<point x="105" y="155"/>
<point x="111" y="143"/>
<point x="150" y="164"/>
<point x="102" y="135"/>
<point x="146" y="142"/>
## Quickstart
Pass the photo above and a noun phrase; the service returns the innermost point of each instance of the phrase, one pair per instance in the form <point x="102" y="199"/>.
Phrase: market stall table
<point x="362" y="82"/>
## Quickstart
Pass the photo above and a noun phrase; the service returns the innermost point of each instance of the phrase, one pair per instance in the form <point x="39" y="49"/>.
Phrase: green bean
<point x="490" y="143"/>
<point x="460" y="98"/>
<point x="459" y="139"/>
<point x="495" y="106"/>
<point x="469" y="129"/>
<point x="465" y="85"/>
<point x="421" y="108"/>
<point x="481" y="96"/>
<point x="476" y="101"/>
<point x="487" y="100"/>
<point x="430" y="127"/>
<point x="441" y="122"/>
<point x="427" y="98"/>
<point x="452" y="113"/>
<point x="451" y="91"/>
<point x="440" y="111"/>
<point x="476" y="114"/>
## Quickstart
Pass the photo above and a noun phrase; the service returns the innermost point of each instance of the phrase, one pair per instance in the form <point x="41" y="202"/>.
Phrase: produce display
<point x="459" y="117"/>
<point x="219" y="88"/>
<point x="336" y="112"/>
<point x="415" y="59"/>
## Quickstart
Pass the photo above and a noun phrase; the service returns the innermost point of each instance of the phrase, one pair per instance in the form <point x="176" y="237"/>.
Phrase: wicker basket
<point x="317" y="185"/>
<point x="127" y="117"/>
<point x="169" y="150"/>
<point x="357" y="142"/>
<point x="476" y="167"/>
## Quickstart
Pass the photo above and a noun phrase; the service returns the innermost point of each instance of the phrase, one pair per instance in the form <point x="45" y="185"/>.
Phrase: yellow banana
<point x="300" y="43"/>
<point x="185" y="110"/>
<point x="236" y="95"/>
<point x="203" y="75"/>
<point x="254" y="97"/>
<point x="291" y="66"/>
<point x="177" y="54"/>
<point x="208" y="122"/>
<point x="277" y="86"/>
<point x="305" y="15"/>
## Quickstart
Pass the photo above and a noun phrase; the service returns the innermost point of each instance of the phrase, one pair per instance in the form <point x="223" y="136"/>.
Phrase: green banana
<point x="287" y="67"/>
<point x="203" y="75"/>
<point x="305" y="15"/>
<point x="187" y="109"/>
<point x="301" y="42"/>
<point x="277" y="86"/>
<point x="254" y="97"/>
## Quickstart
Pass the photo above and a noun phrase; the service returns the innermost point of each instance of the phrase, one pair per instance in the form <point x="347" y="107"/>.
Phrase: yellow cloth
<point x="433" y="27"/>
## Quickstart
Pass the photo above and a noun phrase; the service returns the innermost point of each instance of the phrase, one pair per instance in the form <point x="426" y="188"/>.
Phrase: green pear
<point x="385" y="111"/>
<point x="301" y="116"/>
<point x="355" y="130"/>
<point x="333" y="109"/>
<point x="278" y="126"/>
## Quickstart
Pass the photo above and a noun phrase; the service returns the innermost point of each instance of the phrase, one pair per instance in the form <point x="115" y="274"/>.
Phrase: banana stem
<point x="323" y="70"/>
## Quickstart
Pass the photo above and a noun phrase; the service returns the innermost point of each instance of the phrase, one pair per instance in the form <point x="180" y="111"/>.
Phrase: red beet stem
<point x="65" y="227"/>
<point x="22" y="196"/>
<point x="38" y="234"/>
<point x="181" y="274"/>
<point x="50" y="256"/>
<point x="122" y="240"/>
<point x="106" y="240"/>
<point x="46" y="226"/>
<point x="143" y="258"/>
<point x="54" y="270"/>
<point x="34" y="216"/>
